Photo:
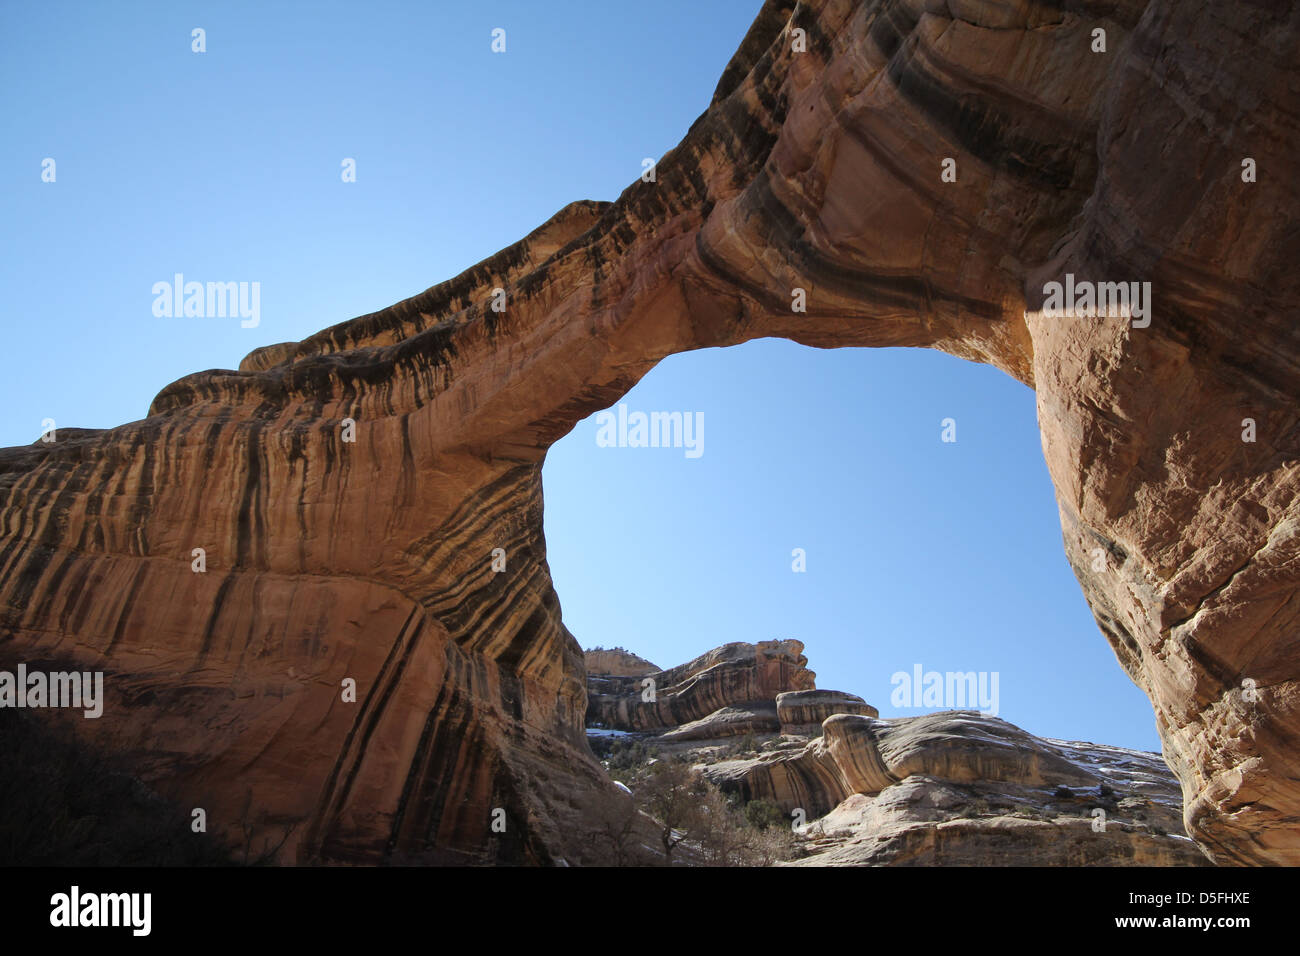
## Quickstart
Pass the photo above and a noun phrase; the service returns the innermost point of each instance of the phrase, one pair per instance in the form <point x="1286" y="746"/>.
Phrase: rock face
<point x="859" y="754"/>
<point x="755" y="718"/>
<point x="949" y="788"/>
<point x="617" y="662"/>
<point x="928" y="822"/>
<point x="736" y="673"/>
<point x="959" y="788"/>
<point x="817" y="166"/>
<point x="803" y="711"/>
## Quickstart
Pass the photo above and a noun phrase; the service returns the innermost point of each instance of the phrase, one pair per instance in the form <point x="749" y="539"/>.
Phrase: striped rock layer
<point x="804" y="711"/>
<point x="736" y="673"/>
<point x="960" y="788"/>
<point x="617" y="662"/>
<point x="817" y="166"/>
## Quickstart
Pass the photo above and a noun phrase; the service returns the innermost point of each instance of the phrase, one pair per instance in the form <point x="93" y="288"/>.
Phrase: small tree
<point x="720" y="831"/>
<point x="766" y="847"/>
<point x="669" y="794"/>
<point x="761" y="814"/>
<point x="614" y="837"/>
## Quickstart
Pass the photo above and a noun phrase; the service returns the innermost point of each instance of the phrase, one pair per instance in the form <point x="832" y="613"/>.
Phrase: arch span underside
<point x="815" y="169"/>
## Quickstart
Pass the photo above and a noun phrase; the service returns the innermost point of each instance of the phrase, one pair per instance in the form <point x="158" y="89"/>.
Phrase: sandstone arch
<point x="816" y="170"/>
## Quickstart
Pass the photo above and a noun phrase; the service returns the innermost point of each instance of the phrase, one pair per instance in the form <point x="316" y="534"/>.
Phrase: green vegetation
<point x="623" y="757"/>
<point x="763" y="814"/>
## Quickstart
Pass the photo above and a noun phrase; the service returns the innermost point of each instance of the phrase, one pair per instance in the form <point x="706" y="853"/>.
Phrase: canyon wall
<point x="369" y="500"/>
<point x="736" y="673"/>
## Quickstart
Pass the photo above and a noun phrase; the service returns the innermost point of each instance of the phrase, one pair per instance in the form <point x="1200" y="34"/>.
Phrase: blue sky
<point x="225" y="166"/>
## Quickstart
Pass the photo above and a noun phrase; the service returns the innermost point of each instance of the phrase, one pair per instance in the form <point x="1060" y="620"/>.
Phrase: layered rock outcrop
<point x="754" y="718"/>
<point x="803" y="711"/>
<point x="858" y="754"/>
<point x="818" y="166"/>
<point x="617" y="662"/>
<point x="948" y="788"/>
<point x="736" y="673"/>
<point x="960" y="788"/>
<point x="929" y="822"/>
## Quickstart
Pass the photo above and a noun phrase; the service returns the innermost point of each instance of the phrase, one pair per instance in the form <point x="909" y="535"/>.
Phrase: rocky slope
<point x="818" y="166"/>
<point x="950" y="788"/>
<point x="959" y="788"/>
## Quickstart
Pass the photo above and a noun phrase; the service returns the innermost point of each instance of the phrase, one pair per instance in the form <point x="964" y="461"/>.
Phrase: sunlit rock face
<point x="803" y="711"/>
<point x="814" y="179"/>
<point x="753" y="718"/>
<point x="617" y="662"/>
<point x="737" y="673"/>
<point x="949" y="788"/>
<point x="960" y="788"/>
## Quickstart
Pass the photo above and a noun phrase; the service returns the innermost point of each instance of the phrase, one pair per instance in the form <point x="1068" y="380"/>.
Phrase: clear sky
<point x="226" y="166"/>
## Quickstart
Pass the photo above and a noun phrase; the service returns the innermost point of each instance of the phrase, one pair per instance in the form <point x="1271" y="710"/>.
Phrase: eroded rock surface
<point x="959" y="788"/>
<point x="736" y="673"/>
<point x="924" y="821"/>
<point x="803" y="711"/>
<point x="617" y="662"/>
<point x="817" y="166"/>
<point x="756" y="718"/>
<point x="949" y="788"/>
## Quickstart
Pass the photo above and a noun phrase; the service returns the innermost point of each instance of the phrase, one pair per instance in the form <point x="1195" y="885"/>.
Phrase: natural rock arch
<point x="817" y="170"/>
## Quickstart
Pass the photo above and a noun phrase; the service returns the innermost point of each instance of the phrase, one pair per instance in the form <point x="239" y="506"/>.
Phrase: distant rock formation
<point x="735" y="673"/>
<point x="874" y="173"/>
<point x="857" y="754"/>
<point x="758" y="717"/>
<point x="962" y="789"/>
<point x="803" y="711"/>
<point x="617" y="662"/>
<point x="949" y="788"/>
